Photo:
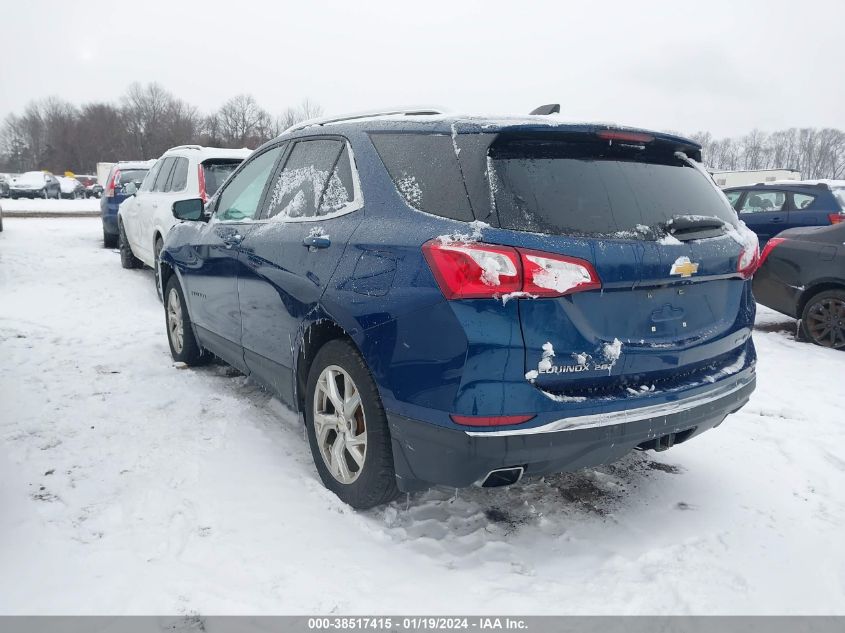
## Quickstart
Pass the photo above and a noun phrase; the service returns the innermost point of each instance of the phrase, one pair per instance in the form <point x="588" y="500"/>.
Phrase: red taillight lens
<point x="201" y="178"/>
<point x="768" y="248"/>
<point x="115" y="177"/>
<point x="490" y="420"/>
<point x="471" y="270"/>
<point x="548" y="275"/>
<point x="749" y="257"/>
<point x="836" y="218"/>
<point x="622" y="135"/>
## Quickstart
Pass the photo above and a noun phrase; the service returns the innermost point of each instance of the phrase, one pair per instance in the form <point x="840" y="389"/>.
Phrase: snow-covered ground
<point x="130" y="486"/>
<point x="25" y="206"/>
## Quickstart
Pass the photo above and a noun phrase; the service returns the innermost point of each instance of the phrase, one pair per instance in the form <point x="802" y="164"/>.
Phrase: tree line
<point x="816" y="153"/>
<point x="58" y="136"/>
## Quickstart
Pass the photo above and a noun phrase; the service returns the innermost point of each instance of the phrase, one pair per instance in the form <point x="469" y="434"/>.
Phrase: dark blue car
<point x="768" y="209"/>
<point x="452" y="300"/>
<point x="123" y="175"/>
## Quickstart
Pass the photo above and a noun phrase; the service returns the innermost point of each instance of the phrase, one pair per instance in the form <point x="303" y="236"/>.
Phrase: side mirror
<point x="189" y="209"/>
<point x="130" y="189"/>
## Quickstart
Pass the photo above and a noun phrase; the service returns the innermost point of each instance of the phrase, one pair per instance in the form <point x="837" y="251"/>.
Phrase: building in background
<point x="739" y="178"/>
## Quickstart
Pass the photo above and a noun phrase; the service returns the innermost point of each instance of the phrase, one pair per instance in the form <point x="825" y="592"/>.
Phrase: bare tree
<point x="304" y="111"/>
<point x="241" y="122"/>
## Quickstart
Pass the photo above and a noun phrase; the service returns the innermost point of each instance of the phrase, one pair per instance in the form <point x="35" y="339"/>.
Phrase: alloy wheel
<point x="340" y="424"/>
<point x="826" y="322"/>
<point x="174" y="321"/>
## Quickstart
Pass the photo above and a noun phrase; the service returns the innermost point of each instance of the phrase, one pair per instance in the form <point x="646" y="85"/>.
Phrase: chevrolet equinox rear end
<point x="459" y="300"/>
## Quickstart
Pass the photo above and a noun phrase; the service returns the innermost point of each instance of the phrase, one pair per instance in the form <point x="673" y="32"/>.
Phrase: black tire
<point x="375" y="482"/>
<point x="823" y="319"/>
<point x="109" y="240"/>
<point x="188" y="351"/>
<point x="44" y="194"/>
<point x="1" y="222"/>
<point x="159" y="243"/>
<point x="127" y="259"/>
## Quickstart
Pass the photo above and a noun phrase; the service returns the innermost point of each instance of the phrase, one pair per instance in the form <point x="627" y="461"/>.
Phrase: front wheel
<point x="823" y="319"/>
<point x="180" y="330"/>
<point x="44" y="194"/>
<point x="347" y="428"/>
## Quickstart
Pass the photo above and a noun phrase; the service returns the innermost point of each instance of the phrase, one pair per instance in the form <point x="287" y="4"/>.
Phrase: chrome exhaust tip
<point x="502" y="477"/>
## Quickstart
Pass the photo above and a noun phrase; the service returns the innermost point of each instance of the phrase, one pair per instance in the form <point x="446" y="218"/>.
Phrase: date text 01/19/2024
<point x="422" y="623"/>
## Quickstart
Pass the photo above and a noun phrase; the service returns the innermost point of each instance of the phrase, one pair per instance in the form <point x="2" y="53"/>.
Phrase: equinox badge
<point x="684" y="267"/>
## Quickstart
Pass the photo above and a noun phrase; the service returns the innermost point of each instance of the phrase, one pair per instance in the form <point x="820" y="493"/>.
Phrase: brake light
<point x="622" y="135"/>
<point x="548" y="275"/>
<point x="749" y="257"/>
<point x="201" y="178"/>
<point x="768" y="249"/>
<point x="110" y="185"/>
<point x="490" y="420"/>
<point x="836" y="218"/>
<point x="471" y="270"/>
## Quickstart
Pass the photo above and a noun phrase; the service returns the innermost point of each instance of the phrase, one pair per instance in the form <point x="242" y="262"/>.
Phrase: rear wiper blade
<point x="693" y="226"/>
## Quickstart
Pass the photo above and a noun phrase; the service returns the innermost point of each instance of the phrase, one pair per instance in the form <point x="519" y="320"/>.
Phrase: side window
<point x="425" y="170"/>
<point x="802" y="200"/>
<point x="759" y="201"/>
<point x="179" y="175"/>
<point x="163" y="174"/>
<point x="239" y="200"/>
<point x="309" y="173"/>
<point x="733" y="196"/>
<point x="150" y="178"/>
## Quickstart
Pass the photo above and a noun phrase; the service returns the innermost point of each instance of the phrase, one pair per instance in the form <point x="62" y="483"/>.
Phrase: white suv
<point x="182" y="173"/>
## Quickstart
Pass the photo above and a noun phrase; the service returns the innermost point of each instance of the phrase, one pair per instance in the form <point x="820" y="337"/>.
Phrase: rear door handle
<point x="317" y="241"/>
<point x="777" y="219"/>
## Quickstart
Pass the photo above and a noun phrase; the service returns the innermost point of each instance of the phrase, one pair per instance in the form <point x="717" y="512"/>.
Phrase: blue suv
<point x="458" y="300"/>
<point x="123" y="180"/>
<point x="768" y="209"/>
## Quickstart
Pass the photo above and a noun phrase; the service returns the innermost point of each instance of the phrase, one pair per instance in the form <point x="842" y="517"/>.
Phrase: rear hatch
<point x="663" y="241"/>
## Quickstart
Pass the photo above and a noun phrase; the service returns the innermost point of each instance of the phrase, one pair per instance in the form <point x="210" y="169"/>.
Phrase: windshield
<point x="588" y="189"/>
<point x="216" y="172"/>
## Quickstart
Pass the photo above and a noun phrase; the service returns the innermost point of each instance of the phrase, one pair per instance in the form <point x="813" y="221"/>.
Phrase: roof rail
<point x="409" y="111"/>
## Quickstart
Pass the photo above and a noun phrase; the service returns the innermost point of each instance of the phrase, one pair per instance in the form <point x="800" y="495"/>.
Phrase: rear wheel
<point x="127" y="258"/>
<point x="347" y="428"/>
<point x="823" y="319"/>
<point x="180" y="330"/>
<point x="109" y="240"/>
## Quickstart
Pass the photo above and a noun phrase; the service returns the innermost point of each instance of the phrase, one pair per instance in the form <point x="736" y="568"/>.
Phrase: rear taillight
<point x="201" y="178"/>
<point x="768" y="249"/>
<point x="471" y="270"/>
<point x="490" y="420"/>
<point x="749" y="257"/>
<point x="836" y="218"/>
<point x="110" y="184"/>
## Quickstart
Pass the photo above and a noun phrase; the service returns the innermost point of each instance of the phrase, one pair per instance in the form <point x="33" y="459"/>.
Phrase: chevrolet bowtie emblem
<point x="684" y="267"/>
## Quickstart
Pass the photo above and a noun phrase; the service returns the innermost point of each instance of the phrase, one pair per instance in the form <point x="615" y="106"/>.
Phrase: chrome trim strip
<point x="621" y="417"/>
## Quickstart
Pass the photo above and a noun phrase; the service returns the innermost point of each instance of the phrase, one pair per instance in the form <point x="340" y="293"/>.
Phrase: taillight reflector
<point x="768" y="248"/>
<point x="749" y="257"/>
<point x="836" y="218"/>
<point x="115" y="177"/>
<point x="490" y="420"/>
<point x="201" y="179"/>
<point x="472" y="270"/>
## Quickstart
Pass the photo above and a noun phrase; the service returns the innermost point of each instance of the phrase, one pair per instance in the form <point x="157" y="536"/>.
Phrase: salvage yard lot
<point x="130" y="486"/>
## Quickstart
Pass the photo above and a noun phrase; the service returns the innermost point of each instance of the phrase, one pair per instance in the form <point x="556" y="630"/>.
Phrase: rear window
<point x="216" y="172"/>
<point x="839" y="192"/>
<point x="132" y="175"/>
<point x="424" y="168"/>
<point x="597" y="189"/>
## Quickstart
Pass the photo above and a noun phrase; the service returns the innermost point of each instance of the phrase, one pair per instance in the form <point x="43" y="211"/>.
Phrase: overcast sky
<point x="723" y="66"/>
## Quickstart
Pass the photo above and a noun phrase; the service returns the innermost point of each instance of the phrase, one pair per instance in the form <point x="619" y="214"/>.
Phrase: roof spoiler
<point x="549" y="108"/>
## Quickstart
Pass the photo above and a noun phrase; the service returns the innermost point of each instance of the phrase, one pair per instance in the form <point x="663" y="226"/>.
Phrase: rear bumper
<point x="425" y="454"/>
<point x="774" y="293"/>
